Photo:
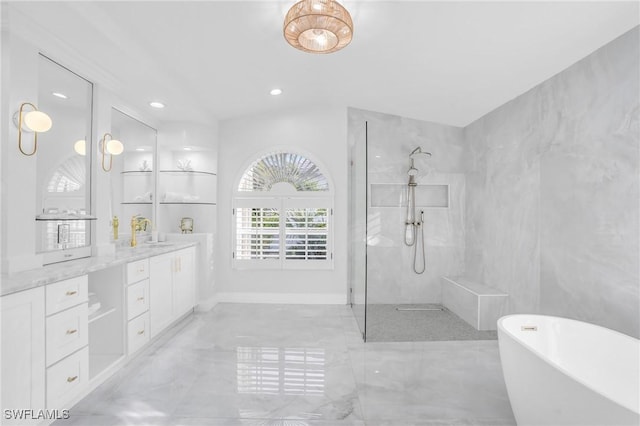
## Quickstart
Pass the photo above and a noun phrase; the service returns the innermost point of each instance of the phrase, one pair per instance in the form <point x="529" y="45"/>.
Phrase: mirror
<point x="133" y="176"/>
<point x="63" y="169"/>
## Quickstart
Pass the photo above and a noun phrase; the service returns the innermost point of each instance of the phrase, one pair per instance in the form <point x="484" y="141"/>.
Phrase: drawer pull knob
<point x="71" y="292"/>
<point x="141" y="332"/>
<point x="72" y="379"/>
<point x="72" y="331"/>
<point x="140" y="299"/>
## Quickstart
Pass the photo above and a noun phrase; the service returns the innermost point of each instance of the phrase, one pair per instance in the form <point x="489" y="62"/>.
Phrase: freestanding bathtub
<point x="560" y="371"/>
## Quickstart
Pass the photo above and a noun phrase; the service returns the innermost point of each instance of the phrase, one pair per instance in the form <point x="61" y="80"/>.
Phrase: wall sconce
<point x="34" y="121"/>
<point x="111" y="147"/>
<point x="80" y="147"/>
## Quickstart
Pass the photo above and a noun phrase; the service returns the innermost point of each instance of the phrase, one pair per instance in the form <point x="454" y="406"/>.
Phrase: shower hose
<point x="411" y="231"/>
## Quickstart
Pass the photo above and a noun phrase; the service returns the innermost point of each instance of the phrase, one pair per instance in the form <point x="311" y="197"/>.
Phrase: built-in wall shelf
<point x="142" y="172"/>
<point x="187" y="172"/>
<point x="187" y="183"/>
<point x="101" y="313"/>
<point x="59" y="218"/>
<point x="187" y="203"/>
<point x="136" y="202"/>
<point x="396" y="195"/>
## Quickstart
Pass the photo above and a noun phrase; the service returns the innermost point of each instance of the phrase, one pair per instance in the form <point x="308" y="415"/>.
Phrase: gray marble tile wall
<point x="552" y="192"/>
<point x="390" y="275"/>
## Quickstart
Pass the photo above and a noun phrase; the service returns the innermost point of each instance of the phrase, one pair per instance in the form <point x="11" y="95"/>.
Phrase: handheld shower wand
<point x="411" y="224"/>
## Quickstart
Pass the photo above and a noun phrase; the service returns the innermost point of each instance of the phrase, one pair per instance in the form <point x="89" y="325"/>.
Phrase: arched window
<point x="282" y="214"/>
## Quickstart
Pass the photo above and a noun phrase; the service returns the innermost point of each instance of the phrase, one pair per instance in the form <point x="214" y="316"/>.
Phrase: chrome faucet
<point x="138" y="223"/>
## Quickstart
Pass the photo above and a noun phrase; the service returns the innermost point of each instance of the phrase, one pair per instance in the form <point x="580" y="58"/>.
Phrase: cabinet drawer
<point x="67" y="293"/>
<point x="138" y="333"/>
<point x="66" y="332"/>
<point x="67" y="379"/>
<point x="137" y="271"/>
<point x="137" y="299"/>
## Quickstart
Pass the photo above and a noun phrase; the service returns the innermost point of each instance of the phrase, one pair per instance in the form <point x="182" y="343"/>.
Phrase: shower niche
<point x="395" y="195"/>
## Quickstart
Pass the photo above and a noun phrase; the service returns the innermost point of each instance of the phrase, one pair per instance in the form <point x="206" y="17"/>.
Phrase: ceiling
<point x="447" y="62"/>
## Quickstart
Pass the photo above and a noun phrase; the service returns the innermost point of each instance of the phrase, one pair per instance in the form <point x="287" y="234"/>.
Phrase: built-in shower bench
<point x="476" y="303"/>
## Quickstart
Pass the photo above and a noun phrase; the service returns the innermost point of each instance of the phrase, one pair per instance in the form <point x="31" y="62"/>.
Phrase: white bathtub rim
<point x="549" y="362"/>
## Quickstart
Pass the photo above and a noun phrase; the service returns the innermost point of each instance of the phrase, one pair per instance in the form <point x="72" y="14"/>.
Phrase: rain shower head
<point x="413" y="172"/>
<point x="418" y="151"/>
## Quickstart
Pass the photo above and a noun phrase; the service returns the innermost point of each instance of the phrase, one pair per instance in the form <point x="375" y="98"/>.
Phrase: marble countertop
<point x="61" y="271"/>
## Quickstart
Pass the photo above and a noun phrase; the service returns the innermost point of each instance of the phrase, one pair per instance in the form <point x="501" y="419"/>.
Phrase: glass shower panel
<point x="358" y="221"/>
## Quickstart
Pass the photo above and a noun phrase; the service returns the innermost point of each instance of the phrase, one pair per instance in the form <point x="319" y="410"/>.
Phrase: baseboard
<point x="284" y="298"/>
<point x="206" y="305"/>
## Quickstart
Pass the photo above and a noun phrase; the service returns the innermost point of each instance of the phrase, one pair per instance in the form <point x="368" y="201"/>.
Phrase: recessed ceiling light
<point x="156" y="104"/>
<point x="139" y="149"/>
<point x="276" y="92"/>
<point x="59" y="95"/>
<point x="187" y="148"/>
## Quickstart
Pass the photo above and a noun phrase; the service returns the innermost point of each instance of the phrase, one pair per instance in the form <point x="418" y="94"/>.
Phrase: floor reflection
<point x="281" y="371"/>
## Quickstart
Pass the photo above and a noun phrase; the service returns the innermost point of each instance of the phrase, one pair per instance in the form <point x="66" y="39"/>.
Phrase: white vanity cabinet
<point x="44" y="347"/>
<point x="161" y="292"/>
<point x="23" y="351"/>
<point x="183" y="284"/>
<point x="67" y="339"/>
<point x="172" y="287"/>
<point x="137" y="305"/>
<point x="53" y="350"/>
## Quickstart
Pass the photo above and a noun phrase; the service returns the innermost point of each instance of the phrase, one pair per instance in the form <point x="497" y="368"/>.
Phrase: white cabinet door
<point x="67" y="331"/>
<point x="138" y="332"/>
<point x="23" y="351"/>
<point x="137" y="299"/>
<point x="161" y="292"/>
<point x="67" y="293"/>
<point x="67" y="379"/>
<point x="183" y="282"/>
<point x="137" y="271"/>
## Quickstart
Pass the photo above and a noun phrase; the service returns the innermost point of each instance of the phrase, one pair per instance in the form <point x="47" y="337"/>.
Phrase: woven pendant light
<point x="318" y="26"/>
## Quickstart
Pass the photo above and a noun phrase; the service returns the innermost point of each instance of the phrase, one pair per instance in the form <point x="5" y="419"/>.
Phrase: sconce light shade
<point x="115" y="147"/>
<point x="111" y="147"/>
<point x="38" y="121"/>
<point x="318" y="26"/>
<point x="35" y="121"/>
<point x="80" y="147"/>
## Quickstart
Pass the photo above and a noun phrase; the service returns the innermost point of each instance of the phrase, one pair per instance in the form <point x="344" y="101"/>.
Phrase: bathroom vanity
<point x="67" y="327"/>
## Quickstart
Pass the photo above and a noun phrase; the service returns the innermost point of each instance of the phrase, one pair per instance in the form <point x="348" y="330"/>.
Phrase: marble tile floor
<point x="295" y="365"/>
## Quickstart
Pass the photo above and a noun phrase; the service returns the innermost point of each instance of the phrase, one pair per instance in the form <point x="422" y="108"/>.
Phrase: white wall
<point x="322" y="134"/>
<point x="18" y="171"/>
<point x="552" y="194"/>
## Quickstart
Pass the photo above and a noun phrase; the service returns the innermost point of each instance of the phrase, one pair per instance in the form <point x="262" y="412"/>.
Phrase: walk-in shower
<point x="414" y="229"/>
<point x="407" y="229"/>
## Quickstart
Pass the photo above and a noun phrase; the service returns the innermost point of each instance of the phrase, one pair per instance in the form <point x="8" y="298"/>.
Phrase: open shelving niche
<point x="136" y="190"/>
<point x="187" y="182"/>
<point x="106" y="325"/>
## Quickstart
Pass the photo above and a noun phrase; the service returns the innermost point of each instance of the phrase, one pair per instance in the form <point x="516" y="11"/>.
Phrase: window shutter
<point x="306" y="233"/>
<point x="282" y="215"/>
